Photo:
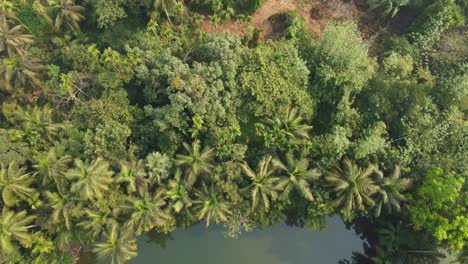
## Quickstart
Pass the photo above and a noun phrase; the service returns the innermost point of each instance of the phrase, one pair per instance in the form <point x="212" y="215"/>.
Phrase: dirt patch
<point x="316" y="13"/>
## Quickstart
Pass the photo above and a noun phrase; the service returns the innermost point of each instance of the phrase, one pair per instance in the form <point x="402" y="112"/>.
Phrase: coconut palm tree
<point x="15" y="184"/>
<point x="12" y="38"/>
<point x="264" y="185"/>
<point x="390" y="189"/>
<point x="20" y="72"/>
<point x="298" y="176"/>
<point x="65" y="12"/>
<point x="95" y="221"/>
<point x="15" y="227"/>
<point x="158" y="7"/>
<point x="37" y="119"/>
<point x="64" y="206"/>
<point x="211" y="205"/>
<point x="147" y="212"/>
<point x="50" y="167"/>
<point x="353" y="186"/>
<point x="133" y="175"/>
<point x="196" y="162"/>
<point x="388" y="7"/>
<point x="178" y="193"/>
<point x="91" y="180"/>
<point x="291" y="124"/>
<point x="118" y="244"/>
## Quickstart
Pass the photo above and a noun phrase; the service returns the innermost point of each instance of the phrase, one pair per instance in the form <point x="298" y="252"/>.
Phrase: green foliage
<point x="388" y="7"/>
<point x="339" y="62"/>
<point x="353" y="186"/>
<point x="434" y="20"/>
<point x="169" y="125"/>
<point x="108" y="12"/>
<point x="264" y="74"/>
<point x="440" y="206"/>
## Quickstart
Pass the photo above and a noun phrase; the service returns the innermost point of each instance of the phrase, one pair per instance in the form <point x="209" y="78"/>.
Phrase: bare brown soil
<point x="316" y="13"/>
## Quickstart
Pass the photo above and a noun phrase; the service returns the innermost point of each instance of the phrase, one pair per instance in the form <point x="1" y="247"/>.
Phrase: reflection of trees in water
<point x="391" y="241"/>
<point x="159" y="239"/>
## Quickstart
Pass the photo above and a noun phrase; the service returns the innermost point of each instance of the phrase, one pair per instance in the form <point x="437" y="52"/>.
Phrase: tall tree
<point x="161" y="6"/>
<point x="353" y="186"/>
<point x="118" y="244"/>
<point x="264" y="185"/>
<point x="90" y="180"/>
<point x="133" y="175"/>
<point x="15" y="184"/>
<point x="196" y="162"/>
<point x="147" y="212"/>
<point x="390" y="190"/>
<point x="65" y="12"/>
<point x="51" y="167"/>
<point x="12" y="38"/>
<point x="36" y="119"/>
<point x="298" y="176"/>
<point x="291" y="124"/>
<point x="178" y="193"/>
<point x="15" y="227"/>
<point x="64" y="208"/>
<point x="211" y="205"/>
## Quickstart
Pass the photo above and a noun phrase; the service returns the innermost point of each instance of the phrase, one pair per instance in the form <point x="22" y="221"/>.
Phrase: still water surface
<point x="279" y="244"/>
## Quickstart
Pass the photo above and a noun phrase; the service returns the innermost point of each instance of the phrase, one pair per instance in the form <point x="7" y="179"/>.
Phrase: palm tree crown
<point x="91" y="179"/>
<point x="12" y="39"/>
<point x="66" y="11"/>
<point x="196" y="162"/>
<point x="15" y="184"/>
<point x="291" y="124"/>
<point x="264" y="185"/>
<point x="298" y="176"/>
<point x="15" y="226"/>
<point x="211" y="205"/>
<point x="118" y="244"/>
<point x="390" y="189"/>
<point x="147" y="212"/>
<point x="353" y="186"/>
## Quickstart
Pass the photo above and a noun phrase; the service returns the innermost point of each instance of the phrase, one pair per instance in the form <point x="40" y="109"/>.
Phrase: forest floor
<point x="316" y="13"/>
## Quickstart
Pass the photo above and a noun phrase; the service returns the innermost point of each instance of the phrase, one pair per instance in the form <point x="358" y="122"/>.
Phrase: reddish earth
<point x="316" y="13"/>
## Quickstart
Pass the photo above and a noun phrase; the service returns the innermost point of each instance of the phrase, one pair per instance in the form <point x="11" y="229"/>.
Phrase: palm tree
<point x="94" y="222"/>
<point x="15" y="227"/>
<point x="91" y="179"/>
<point x="119" y="244"/>
<point x="264" y="185"/>
<point x="12" y="39"/>
<point x="390" y="189"/>
<point x="178" y="193"/>
<point x="15" y="184"/>
<point x="133" y="175"/>
<point x="196" y="162"/>
<point x="51" y="167"/>
<point x="298" y="176"/>
<point x="147" y="212"/>
<point x="37" y="119"/>
<point x="64" y="208"/>
<point x="66" y="11"/>
<point x="161" y="6"/>
<point x="353" y="186"/>
<point x="20" y="72"/>
<point x="211" y="205"/>
<point x="291" y="125"/>
<point x="388" y="7"/>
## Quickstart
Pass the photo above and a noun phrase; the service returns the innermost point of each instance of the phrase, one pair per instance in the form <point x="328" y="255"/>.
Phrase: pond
<point x="279" y="244"/>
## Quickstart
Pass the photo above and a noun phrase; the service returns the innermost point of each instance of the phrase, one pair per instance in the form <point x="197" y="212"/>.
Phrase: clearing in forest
<point x="316" y="14"/>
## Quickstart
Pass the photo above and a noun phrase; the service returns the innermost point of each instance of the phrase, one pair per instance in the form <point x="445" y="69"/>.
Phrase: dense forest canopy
<point x="119" y="117"/>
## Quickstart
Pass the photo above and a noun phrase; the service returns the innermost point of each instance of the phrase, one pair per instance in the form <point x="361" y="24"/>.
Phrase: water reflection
<point x="279" y="244"/>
